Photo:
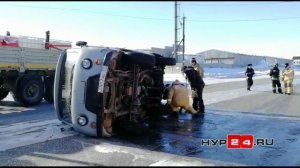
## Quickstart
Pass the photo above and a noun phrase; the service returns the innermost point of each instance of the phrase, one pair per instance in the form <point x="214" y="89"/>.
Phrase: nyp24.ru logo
<point x="238" y="141"/>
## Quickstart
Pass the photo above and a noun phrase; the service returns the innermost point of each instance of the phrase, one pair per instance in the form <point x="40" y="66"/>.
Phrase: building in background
<point x="296" y="61"/>
<point x="225" y="59"/>
<point x="222" y="59"/>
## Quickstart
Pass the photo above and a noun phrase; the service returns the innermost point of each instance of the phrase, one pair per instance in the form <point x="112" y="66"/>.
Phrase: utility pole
<point x="175" y="42"/>
<point x="47" y="40"/>
<point x="176" y="33"/>
<point x="183" y="37"/>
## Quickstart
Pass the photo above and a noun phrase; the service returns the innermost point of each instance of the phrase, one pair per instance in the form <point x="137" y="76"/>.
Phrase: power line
<point x="247" y="20"/>
<point x="243" y="4"/>
<point x="161" y="19"/>
<point x="91" y="11"/>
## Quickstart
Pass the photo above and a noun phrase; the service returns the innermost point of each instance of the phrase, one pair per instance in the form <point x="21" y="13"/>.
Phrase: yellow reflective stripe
<point x="30" y="66"/>
<point x="40" y="66"/>
<point x="9" y="65"/>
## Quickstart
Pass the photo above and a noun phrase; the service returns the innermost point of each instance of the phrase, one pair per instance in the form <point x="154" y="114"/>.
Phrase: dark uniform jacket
<point x="199" y="69"/>
<point x="194" y="78"/>
<point x="275" y="73"/>
<point x="249" y="72"/>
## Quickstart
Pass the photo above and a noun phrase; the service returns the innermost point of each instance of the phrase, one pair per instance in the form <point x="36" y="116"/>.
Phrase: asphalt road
<point x="34" y="137"/>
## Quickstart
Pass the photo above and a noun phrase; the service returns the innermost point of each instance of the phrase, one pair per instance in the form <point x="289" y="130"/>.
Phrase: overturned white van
<point x="96" y="86"/>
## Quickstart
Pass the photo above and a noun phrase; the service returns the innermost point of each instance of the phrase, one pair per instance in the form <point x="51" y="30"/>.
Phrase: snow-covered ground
<point x="221" y="75"/>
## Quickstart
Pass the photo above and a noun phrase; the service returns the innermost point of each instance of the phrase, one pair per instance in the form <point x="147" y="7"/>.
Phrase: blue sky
<point x="255" y="27"/>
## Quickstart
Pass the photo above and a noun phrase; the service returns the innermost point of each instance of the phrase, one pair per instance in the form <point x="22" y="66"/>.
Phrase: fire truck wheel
<point x="3" y="93"/>
<point x="29" y="91"/>
<point x="49" y="86"/>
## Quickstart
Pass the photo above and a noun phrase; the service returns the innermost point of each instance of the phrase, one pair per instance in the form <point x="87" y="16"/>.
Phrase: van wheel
<point x="165" y="61"/>
<point x="3" y="93"/>
<point x="141" y="59"/>
<point x="49" y="88"/>
<point x="161" y="60"/>
<point x="29" y="91"/>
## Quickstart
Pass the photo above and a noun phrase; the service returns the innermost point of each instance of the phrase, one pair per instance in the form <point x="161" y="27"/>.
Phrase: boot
<point x="197" y="115"/>
<point x="173" y="114"/>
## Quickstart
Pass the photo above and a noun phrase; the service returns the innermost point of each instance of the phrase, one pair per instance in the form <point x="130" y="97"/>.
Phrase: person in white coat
<point x="287" y="78"/>
<point x="178" y="97"/>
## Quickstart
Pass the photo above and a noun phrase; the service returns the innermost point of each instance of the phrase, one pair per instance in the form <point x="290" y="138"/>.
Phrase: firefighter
<point x="197" y="85"/>
<point x="197" y="67"/>
<point x="178" y="97"/>
<point x="287" y="78"/>
<point x="249" y="73"/>
<point x="275" y="77"/>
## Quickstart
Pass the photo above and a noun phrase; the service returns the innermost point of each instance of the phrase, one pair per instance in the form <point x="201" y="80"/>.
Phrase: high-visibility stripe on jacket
<point x="288" y="77"/>
<point x="288" y="74"/>
<point x="275" y="73"/>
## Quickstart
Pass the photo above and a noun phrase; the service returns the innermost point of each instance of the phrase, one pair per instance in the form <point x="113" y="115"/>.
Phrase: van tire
<point x="141" y="59"/>
<point x="165" y="61"/>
